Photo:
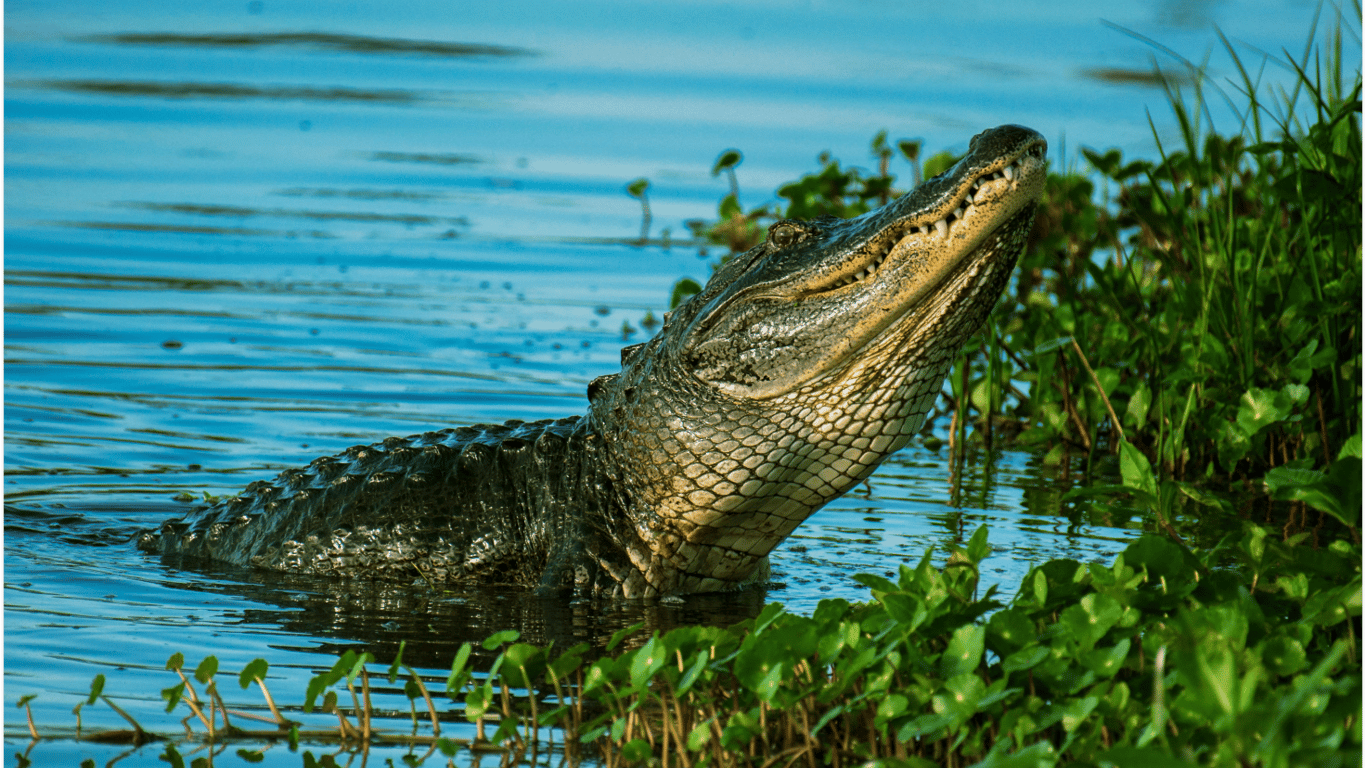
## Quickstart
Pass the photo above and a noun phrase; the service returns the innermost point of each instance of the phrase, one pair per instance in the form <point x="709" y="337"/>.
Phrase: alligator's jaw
<point x="802" y="365"/>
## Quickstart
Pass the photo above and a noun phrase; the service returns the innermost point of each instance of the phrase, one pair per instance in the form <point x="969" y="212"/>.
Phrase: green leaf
<point x="637" y="188"/>
<point x="256" y="670"/>
<point x="729" y="208"/>
<point x="699" y="735"/>
<point x="925" y="726"/>
<point x="1260" y="408"/>
<point x="206" y="669"/>
<point x="876" y="583"/>
<point x="1051" y="345"/>
<point x="523" y="664"/>
<point x="891" y="707"/>
<point x="728" y="159"/>
<point x="1105" y="662"/>
<point x="1284" y="655"/>
<point x="172" y="695"/>
<point x="1009" y="630"/>
<point x="498" y="638"/>
<point x="622" y="634"/>
<point x="978" y="549"/>
<point x="767" y="687"/>
<point x="397" y="664"/>
<point x="1136" y="471"/>
<point x="96" y="688"/>
<point x="683" y="290"/>
<point x="694" y="670"/>
<point x="1290" y="483"/>
<point x="636" y="750"/>
<point x="1136" y="413"/>
<point x="477" y="701"/>
<point x="1025" y="659"/>
<point x="960" y="697"/>
<point x="1091" y="618"/>
<point x="1076" y="711"/>
<point x="1037" y="755"/>
<point x="964" y="653"/>
<point x="649" y="659"/>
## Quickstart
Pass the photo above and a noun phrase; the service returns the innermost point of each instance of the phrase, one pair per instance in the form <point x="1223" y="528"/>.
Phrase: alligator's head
<point x="804" y="363"/>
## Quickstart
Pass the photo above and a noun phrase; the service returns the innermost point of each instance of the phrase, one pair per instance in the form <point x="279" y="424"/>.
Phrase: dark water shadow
<point x="324" y="41"/>
<point x="323" y="615"/>
<point x="330" y="616"/>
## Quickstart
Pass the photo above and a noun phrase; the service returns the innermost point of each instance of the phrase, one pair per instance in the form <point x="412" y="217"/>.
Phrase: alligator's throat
<point x="801" y="365"/>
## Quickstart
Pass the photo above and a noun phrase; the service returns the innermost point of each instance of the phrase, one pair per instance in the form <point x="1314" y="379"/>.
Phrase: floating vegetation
<point x="1245" y="654"/>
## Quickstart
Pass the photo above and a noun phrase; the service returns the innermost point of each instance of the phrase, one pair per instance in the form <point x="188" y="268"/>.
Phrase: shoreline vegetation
<point x="1195" y="331"/>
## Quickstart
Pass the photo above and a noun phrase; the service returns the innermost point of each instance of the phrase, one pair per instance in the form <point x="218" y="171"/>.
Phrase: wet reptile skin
<point x="801" y="366"/>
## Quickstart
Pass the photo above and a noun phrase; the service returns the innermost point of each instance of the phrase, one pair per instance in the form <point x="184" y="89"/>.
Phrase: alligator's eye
<point x="785" y="233"/>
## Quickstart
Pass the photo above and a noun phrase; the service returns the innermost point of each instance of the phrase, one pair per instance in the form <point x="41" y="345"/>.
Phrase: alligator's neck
<point x="803" y="365"/>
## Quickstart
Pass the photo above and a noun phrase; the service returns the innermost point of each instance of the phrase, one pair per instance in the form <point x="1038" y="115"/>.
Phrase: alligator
<point x="800" y="366"/>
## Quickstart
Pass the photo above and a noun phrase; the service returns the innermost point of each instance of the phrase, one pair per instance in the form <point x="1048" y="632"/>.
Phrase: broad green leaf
<point x="256" y="670"/>
<point x="699" y="736"/>
<point x="1076" y="711"/>
<point x="1260" y="408"/>
<point x="498" y="638"/>
<point x="961" y="695"/>
<point x="1010" y="630"/>
<point x="1091" y="618"/>
<point x="689" y="678"/>
<point x="635" y="751"/>
<point x="649" y="659"/>
<point x="1040" y="754"/>
<point x="1136" y="414"/>
<point x="523" y="664"/>
<point x="964" y="653"/>
<point x="622" y="634"/>
<point x="1284" y="655"/>
<point x="206" y="669"/>
<point x="172" y="695"/>
<point x="1105" y="662"/>
<point x="1135" y="470"/>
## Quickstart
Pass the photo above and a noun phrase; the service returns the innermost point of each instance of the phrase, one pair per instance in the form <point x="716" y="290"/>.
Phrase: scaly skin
<point x="801" y="366"/>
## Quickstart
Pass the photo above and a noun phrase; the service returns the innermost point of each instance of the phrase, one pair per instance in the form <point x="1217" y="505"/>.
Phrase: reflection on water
<point x="314" y="40"/>
<point x="236" y="91"/>
<point x="243" y="236"/>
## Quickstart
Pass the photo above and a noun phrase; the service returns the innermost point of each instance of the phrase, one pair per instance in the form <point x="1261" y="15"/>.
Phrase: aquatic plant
<point x="1242" y="655"/>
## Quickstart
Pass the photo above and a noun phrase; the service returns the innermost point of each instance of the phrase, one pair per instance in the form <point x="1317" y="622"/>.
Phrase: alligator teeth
<point x="968" y="197"/>
<point x="959" y="213"/>
<point x="942" y="227"/>
<point x="1009" y="172"/>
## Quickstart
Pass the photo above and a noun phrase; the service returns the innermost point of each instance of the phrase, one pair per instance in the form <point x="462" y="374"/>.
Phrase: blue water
<point x="225" y="260"/>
